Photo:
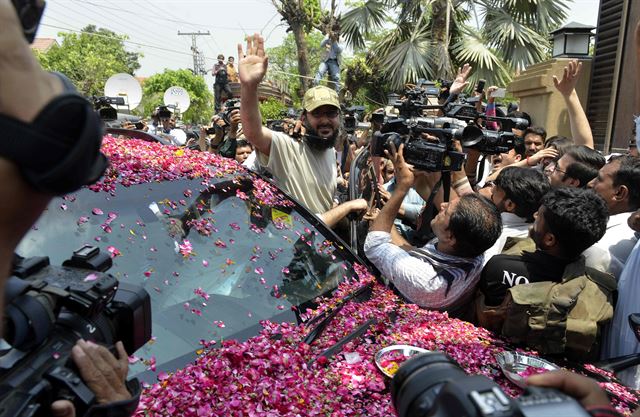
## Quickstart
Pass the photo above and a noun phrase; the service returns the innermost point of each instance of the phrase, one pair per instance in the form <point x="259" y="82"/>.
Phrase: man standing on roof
<point x="331" y="61"/>
<point x="221" y="84"/>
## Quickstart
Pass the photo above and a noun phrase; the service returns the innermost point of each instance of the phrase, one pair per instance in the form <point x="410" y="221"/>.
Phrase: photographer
<point x="221" y="83"/>
<point x="44" y="100"/>
<point x="443" y="274"/>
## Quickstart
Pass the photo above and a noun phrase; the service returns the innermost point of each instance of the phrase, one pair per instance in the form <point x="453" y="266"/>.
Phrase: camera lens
<point x="419" y="380"/>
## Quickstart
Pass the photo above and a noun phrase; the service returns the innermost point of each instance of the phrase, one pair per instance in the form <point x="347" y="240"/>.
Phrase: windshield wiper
<point x="361" y="294"/>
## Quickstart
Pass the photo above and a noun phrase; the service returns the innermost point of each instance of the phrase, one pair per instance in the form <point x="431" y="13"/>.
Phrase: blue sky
<point x="155" y="24"/>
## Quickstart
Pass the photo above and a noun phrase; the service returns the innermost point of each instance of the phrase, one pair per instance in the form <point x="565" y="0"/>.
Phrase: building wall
<point x="613" y="78"/>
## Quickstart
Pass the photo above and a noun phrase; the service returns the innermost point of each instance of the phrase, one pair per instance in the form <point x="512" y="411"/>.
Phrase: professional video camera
<point x="104" y="109"/>
<point x="48" y="309"/>
<point x="352" y="115"/>
<point x="286" y="121"/>
<point x="422" y="154"/>
<point x="432" y="384"/>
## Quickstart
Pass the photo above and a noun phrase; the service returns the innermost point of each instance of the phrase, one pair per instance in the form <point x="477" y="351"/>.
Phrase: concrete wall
<point x="538" y="96"/>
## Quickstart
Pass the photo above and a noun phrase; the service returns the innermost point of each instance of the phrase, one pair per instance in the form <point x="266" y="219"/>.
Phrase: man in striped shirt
<point x="443" y="274"/>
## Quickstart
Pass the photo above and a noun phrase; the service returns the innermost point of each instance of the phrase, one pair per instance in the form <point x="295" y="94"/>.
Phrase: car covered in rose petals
<point x="218" y="248"/>
<point x="258" y="309"/>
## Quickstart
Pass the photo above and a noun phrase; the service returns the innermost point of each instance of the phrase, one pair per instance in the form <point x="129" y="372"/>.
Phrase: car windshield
<point x="216" y="258"/>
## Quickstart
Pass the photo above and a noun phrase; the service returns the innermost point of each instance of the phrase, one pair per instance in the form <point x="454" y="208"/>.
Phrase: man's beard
<point x="315" y="141"/>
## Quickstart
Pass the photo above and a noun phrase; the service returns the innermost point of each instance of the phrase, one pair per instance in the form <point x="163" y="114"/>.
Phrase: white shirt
<point x="619" y="339"/>
<point x="512" y="226"/>
<point x="418" y="280"/>
<point x="610" y="253"/>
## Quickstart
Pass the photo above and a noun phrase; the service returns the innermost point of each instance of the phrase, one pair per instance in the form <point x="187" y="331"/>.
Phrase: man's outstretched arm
<point x="252" y="68"/>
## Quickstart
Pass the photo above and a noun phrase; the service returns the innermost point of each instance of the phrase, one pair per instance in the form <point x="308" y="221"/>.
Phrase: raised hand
<point x="252" y="67"/>
<point x="460" y="82"/>
<point x="569" y="78"/>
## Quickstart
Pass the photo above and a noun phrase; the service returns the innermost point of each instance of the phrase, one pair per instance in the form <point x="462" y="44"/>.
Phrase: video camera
<point x="424" y="155"/>
<point x="432" y="384"/>
<point x="48" y="309"/>
<point x="103" y="106"/>
<point x="461" y="114"/>
<point x="163" y="112"/>
<point x="230" y="105"/>
<point x="352" y="115"/>
<point x="286" y="122"/>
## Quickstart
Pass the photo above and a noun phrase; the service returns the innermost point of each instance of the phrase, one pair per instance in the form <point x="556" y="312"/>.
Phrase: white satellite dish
<point x="125" y="86"/>
<point x="178" y="98"/>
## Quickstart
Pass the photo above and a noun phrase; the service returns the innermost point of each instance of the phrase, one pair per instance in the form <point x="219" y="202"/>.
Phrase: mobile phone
<point x="139" y="125"/>
<point x="500" y="92"/>
<point x="480" y="86"/>
<point x="29" y="12"/>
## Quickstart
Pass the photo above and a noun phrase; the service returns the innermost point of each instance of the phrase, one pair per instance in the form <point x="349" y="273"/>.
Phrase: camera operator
<point x="167" y="127"/>
<point x="26" y="189"/>
<point x="221" y="83"/>
<point x="443" y="274"/>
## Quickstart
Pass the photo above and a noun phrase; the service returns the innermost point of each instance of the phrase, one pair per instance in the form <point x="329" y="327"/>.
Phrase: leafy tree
<point x="201" y="107"/>
<point x="272" y="108"/>
<point x="89" y="58"/>
<point x="430" y="38"/>
<point x="284" y="58"/>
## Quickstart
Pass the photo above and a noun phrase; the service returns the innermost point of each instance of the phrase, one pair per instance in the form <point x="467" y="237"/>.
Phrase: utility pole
<point x="198" y="57"/>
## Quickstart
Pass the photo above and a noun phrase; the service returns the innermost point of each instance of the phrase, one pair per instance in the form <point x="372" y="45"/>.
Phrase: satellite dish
<point x="178" y="98"/>
<point x="125" y="86"/>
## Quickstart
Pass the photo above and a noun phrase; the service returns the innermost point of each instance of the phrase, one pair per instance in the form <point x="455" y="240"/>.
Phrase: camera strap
<point x="60" y="150"/>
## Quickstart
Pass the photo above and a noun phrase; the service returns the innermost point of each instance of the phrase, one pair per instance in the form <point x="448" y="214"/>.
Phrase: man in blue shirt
<point x="330" y="62"/>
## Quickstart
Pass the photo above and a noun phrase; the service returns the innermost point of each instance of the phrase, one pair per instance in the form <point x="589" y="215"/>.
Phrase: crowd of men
<point x="548" y="221"/>
<point x="546" y="216"/>
<point x="548" y="233"/>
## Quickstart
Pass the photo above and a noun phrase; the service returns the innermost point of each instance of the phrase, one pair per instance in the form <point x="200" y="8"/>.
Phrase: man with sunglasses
<point x="306" y="169"/>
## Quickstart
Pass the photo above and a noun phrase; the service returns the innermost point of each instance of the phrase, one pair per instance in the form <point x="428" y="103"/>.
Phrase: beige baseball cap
<point x="320" y="96"/>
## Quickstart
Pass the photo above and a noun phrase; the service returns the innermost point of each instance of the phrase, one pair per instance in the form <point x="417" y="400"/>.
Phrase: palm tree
<point x="429" y="38"/>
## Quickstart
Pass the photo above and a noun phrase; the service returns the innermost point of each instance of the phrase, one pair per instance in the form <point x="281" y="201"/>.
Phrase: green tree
<point x="284" y="59"/>
<point x="430" y="38"/>
<point x="201" y="107"/>
<point x="272" y="108"/>
<point x="90" y="57"/>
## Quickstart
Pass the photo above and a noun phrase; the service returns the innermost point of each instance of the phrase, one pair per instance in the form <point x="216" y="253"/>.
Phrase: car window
<point x="216" y="258"/>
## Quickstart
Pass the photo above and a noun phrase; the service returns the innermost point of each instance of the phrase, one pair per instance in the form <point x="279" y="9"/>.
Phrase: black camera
<point x="423" y="155"/>
<point x="48" y="309"/>
<point x="163" y="112"/>
<point x="102" y="105"/>
<point x="351" y="116"/>
<point x="489" y="142"/>
<point x="432" y="384"/>
<point x="230" y="105"/>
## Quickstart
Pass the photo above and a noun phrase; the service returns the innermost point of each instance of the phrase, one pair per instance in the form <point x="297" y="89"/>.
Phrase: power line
<point x="175" y="20"/>
<point x="111" y="37"/>
<point x="133" y="24"/>
<point x="94" y="20"/>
